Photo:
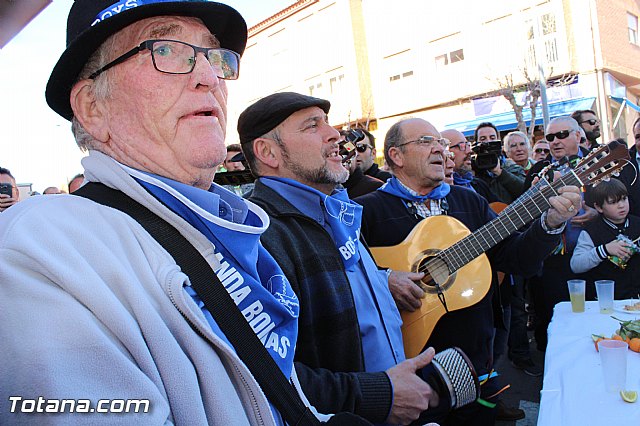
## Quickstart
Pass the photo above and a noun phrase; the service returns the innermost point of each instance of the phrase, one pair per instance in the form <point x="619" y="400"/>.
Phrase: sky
<point x="35" y="143"/>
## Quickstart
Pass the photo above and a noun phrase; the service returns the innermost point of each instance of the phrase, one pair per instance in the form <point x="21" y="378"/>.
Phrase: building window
<point x="315" y="88"/>
<point x="336" y="84"/>
<point x="449" y="58"/>
<point x="632" y="23"/>
<point x="401" y="76"/>
<point x="457" y="56"/>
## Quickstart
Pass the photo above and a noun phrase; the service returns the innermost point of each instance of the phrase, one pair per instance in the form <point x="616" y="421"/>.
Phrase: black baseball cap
<point x="91" y="22"/>
<point x="267" y="113"/>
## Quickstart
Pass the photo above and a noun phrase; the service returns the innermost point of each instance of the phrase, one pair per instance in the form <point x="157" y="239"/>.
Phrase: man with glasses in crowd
<point x="590" y="123"/>
<point x="414" y="150"/>
<point x="367" y="156"/>
<point x="540" y="150"/>
<point x="358" y="183"/>
<point x="550" y="286"/>
<point x="10" y="194"/>
<point x="462" y="172"/>
<point x="95" y="307"/>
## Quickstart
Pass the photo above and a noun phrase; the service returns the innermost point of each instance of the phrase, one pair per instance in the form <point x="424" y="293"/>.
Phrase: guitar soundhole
<point x="436" y="271"/>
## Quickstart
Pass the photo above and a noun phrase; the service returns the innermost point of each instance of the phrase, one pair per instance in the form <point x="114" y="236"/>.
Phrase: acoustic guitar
<point x="457" y="272"/>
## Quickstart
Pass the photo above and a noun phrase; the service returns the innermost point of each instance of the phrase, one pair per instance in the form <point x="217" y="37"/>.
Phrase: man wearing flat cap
<point x="93" y="308"/>
<point x="349" y="354"/>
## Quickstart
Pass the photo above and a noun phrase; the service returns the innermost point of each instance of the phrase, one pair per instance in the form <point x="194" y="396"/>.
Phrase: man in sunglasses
<point x="367" y="155"/>
<point x="563" y="136"/>
<point x="95" y="307"/>
<point x="414" y="150"/>
<point x="590" y="123"/>
<point x="358" y="183"/>
<point x="540" y="150"/>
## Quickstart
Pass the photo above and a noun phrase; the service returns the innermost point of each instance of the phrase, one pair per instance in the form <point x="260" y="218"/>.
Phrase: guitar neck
<point x="527" y="208"/>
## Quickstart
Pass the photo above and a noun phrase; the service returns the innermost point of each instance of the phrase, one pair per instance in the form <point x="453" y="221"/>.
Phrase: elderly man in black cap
<point x="350" y="354"/>
<point x="96" y="312"/>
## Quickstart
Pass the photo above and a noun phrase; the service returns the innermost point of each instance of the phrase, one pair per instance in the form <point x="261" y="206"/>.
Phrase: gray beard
<point x="322" y="175"/>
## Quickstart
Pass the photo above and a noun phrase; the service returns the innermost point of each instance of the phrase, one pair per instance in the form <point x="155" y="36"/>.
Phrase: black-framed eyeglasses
<point x="461" y="146"/>
<point x="362" y="147"/>
<point x="542" y="150"/>
<point x="429" y="141"/>
<point x="178" y="57"/>
<point x="562" y="134"/>
<point x="591" y="121"/>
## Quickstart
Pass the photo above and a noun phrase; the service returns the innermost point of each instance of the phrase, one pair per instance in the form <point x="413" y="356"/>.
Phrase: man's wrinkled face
<point x="169" y="124"/>
<point x="423" y="162"/>
<point x="365" y="159"/>
<point x="517" y="148"/>
<point x="591" y="125"/>
<point x="562" y="147"/>
<point x="309" y="150"/>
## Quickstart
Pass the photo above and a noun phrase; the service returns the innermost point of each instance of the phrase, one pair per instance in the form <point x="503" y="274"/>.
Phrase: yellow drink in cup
<point x="576" y="294"/>
<point x="577" y="302"/>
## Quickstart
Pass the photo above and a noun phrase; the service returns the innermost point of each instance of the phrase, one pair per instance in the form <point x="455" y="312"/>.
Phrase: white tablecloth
<point x="573" y="391"/>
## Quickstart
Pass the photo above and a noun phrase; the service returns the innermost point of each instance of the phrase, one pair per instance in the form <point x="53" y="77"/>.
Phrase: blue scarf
<point x="342" y="215"/>
<point x="463" y="180"/>
<point x="248" y="272"/>
<point x="394" y="187"/>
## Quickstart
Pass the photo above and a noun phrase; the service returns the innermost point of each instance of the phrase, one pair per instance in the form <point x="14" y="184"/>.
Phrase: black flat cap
<point x="267" y="113"/>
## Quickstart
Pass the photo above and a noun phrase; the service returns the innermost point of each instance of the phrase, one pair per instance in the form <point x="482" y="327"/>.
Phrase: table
<point x="573" y="391"/>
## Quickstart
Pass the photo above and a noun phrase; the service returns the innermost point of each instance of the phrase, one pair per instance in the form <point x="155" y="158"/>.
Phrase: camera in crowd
<point x="348" y="144"/>
<point x="486" y="154"/>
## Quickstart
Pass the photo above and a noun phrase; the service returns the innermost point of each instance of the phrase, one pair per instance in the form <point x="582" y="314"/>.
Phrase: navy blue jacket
<point x="387" y="222"/>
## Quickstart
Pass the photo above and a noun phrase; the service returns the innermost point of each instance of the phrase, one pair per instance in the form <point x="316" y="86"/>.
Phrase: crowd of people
<point x="98" y="306"/>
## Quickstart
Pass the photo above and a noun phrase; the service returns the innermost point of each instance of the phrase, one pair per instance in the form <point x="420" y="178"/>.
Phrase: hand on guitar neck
<point x="563" y="206"/>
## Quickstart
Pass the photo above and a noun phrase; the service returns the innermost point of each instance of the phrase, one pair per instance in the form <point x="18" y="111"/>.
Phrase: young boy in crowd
<point x="602" y="242"/>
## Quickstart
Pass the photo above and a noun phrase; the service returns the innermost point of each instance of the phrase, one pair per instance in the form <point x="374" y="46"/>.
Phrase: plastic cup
<point x="613" y="357"/>
<point x="604" y="290"/>
<point x="576" y="294"/>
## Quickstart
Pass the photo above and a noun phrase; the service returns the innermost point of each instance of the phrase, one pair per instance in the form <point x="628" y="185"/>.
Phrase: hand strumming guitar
<point x="405" y="290"/>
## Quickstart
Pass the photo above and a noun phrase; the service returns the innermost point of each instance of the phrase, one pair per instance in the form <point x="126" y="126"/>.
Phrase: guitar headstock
<point x="601" y="163"/>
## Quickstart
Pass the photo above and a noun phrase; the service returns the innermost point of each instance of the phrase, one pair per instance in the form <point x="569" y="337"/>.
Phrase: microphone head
<point x="453" y="377"/>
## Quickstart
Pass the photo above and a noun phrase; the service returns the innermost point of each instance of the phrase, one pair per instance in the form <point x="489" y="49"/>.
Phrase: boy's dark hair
<point x="609" y="190"/>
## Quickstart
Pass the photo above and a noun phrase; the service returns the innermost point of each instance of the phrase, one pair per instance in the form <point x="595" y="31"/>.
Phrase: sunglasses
<point x="542" y="150"/>
<point x="362" y="147"/>
<point x="592" y="122"/>
<point x="563" y="134"/>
